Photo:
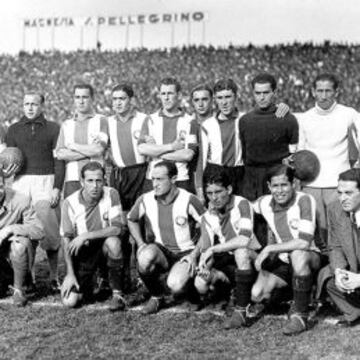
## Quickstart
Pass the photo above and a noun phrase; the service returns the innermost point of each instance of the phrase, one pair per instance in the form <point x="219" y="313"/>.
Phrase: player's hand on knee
<point x="205" y="258"/>
<point x="191" y="261"/>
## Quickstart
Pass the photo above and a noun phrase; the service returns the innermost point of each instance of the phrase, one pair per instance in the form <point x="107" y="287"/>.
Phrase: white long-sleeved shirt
<point x="326" y="133"/>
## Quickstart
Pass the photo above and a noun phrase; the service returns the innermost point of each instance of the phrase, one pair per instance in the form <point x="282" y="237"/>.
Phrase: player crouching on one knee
<point x="91" y="226"/>
<point x="170" y="216"/>
<point x="20" y="229"/>
<point x="292" y="258"/>
<point x="227" y="242"/>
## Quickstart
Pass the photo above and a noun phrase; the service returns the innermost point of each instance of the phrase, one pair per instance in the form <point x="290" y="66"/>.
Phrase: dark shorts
<point x="255" y="181"/>
<point x="279" y="268"/>
<point x="129" y="182"/>
<point x="171" y="256"/>
<point x="225" y="262"/>
<point x="85" y="264"/>
<point x="234" y="173"/>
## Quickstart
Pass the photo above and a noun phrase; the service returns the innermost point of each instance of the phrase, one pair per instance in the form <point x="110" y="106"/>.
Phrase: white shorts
<point x="37" y="187"/>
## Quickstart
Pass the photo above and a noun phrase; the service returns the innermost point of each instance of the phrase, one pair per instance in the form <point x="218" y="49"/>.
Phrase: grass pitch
<point x="46" y="330"/>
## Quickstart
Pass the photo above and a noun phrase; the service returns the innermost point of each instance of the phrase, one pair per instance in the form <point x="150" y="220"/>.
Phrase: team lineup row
<point x="158" y="162"/>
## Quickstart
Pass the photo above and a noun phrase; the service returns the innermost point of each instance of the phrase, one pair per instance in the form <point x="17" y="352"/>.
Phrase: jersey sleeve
<point x="246" y="218"/>
<point x="115" y="213"/>
<point x="307" y="218"/>
<point x="207" y="235"/>
<point x="61" y="138"/>
<point x="302" y="136"/>
<point x="103" y="136"/>
<point x="192" y="139"/>
<point x="293" y="130"/>
<point x="196" y="208"/>
<point x="137" y="211"/>
<point x="10" y="138"/>
<point x="67" y="226"/>
<point x="145" y="130"/>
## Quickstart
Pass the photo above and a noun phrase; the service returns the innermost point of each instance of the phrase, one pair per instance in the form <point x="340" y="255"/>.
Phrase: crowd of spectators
<point x="55" y="73"/>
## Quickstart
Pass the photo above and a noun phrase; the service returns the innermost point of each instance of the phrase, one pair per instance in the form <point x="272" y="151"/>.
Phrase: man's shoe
<point x="152" y="306"/>
<point x="237" y="320"/>
<point x="296" y="325"/>
<point x="343" y="323"/>
<point x="19" y="298"/>
<point x="117" y="302"/>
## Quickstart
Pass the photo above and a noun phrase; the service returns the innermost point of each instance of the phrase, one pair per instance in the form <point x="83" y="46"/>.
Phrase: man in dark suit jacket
<point x="344" y="248"/>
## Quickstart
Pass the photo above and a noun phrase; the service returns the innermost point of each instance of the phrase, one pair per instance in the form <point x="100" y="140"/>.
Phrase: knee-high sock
<point x="115" y="266"/>
<point x="154" y="281"/>
<point x="302" y="291"/>
<point x="20" y="264"/>
<point x="244" y="280"/>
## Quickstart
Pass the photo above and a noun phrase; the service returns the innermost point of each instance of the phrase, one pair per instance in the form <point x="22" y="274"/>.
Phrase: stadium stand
<point x="54" y="73"/>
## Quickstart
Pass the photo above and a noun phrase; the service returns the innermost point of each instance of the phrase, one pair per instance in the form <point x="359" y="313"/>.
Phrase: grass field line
<point x="172" y="310"/>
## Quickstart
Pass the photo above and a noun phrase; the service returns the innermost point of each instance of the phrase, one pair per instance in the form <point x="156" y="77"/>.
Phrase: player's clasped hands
<point x="346" y="281"/>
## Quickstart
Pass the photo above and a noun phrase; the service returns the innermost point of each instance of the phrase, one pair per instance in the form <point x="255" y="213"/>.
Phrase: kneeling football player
<point x="91" y="226"/>
<point x="170" y="216"/>
<point x="227" y="244"/>
<point x="292" y="258"/>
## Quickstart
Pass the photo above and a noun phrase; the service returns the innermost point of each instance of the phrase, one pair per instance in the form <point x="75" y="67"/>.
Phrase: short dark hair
<point x="170" y="166"/>
<point x="126" y="88"/>
<point x="225" y="84"/>
<point x="201" y="87"/>
<point x="281" y="169"/>
<point x="171" y="81"/>
<point x="41" y="96"/>
<point x="327" y="77"/>
<point x="92" y="166"/>
<point x="351" y="175"/>
<point x="264" y="78"/>
<point x="85" y="86"/>
<point x="218" y="177"/>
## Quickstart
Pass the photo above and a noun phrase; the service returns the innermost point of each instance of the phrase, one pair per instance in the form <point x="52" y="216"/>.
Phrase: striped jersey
<point x="294" y="221"/>
<point x="237" y="220"/>
<point x="124" y="136"/>
<point x="165" y="130"/>
<point x="221" y="141"/>
<point x="79" y="217"/>
<point x="87" y="131"/>
<point x="173" y="224"/>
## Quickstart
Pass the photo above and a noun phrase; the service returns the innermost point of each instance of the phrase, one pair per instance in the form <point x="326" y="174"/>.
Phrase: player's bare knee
<point x="201" y="286"/>
<point x="176" y="284"/>
<point x="300" y="262"/>
<point x="243" y="258"/>
<point x="146" y="259"/>
<point x="256" y="293"/>
<point x="113" y="246"/>
<point x="18" y="250"/>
